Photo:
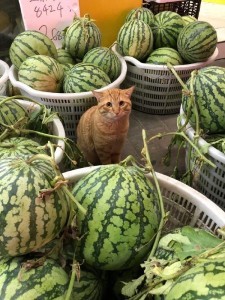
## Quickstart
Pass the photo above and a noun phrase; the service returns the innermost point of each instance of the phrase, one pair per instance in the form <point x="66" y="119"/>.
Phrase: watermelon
<point x="141" y="13"/>
<point x="42" y="73"/>
<point x="84" y="77"/>
<point x="81" y="36"/>
<point x="64" y="57"/>
<point x="164" y="55"/>
<point x="45" y="280"/>
<point x="29" y="43"/>
<point x="188" y="19"/>
<point x="197" y="41"/>
<point x="29" y="218"/>
<point x="122" y="217"/>
<point x="19" y="146"/>
<point x="11" y="112"/>
<point x="166" y="28"/>
<point x="204" y="281"/>
<point x="135" y="39"/>
<point x="209" y="94"/>
<point x="106" y="59"/>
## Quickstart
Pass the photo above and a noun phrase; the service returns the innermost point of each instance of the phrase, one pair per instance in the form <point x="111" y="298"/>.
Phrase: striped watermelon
<point x="42" y="73"/>
<point x="135" y="39"/>
<point x="81" y="36"/>
<point x="64" y="57"/>
<point x="197" y="41"/>
<point x="89" y="286"/>
<point x="166" y="28"/>
<point x="29" y="219"/>
<point x="85" y="77"/>
<point x="122" y="216"/>
<point x="29" y="43"/>
<point x="19" y="146"/>
<point x="188" y="19"/>
<point x="46" y="280"/>
<point x="204" y="281"/>
<point x="106" y="59"/>
<point x="10" y="112"/>
<point x="141" y="13"/>
<point x="164" y="55"/>
<point x="209" y="93"/>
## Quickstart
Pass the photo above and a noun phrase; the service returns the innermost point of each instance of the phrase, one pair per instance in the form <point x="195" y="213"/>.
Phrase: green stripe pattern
<point x="106" y="59"/>
<point x="209" y="93"/>
<point x="204" y="281"/>
<point x="122" y="216"/>
<point x="64" y="57"/>
<point x="46" y="282"/>
<point x="11" y="112"/>
<point x="197" y="41"/>
<point x="141" y="13"/>
<point x="81" y="36"/>
<point x="164" y="55"/>
<point x="85" y="77"/>
<point x="28" y="221"/>
<point x="166" y="28"/>
<point x="29" y="43"/>
<point x="89" y="286"/>
<point x="42" y="73"/>
<point x="135" y="39"/>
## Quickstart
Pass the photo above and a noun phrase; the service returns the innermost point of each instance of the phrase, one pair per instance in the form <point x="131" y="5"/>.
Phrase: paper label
<point x="49" y="16"/>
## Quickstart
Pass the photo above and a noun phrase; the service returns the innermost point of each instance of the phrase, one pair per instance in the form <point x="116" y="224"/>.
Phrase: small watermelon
<point x="85" y="77"/>
<point x="42" y="73"/>
<point x="164" y="55"/>
<point x="141" y="13"/>
<point x="81" y="36"/>
<point x="166" y="28"/>
<point x="106" y="59"/>
<point x="29" y="43"/>
<point x="197" y="41"/>
<point x="64" y="57"/>
<point x="135" y="39"/>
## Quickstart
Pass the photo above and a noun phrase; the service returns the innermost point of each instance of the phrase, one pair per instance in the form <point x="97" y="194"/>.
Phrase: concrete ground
<point x="154" y="124"/>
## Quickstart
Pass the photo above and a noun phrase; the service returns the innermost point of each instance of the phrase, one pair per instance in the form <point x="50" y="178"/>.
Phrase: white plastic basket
<point x="209" y="181"/>
<point x="186" y="205"/>
<point x="157" y="91"/>
<point x="56" y="129"/>
<point x="4" y="76"/>
<point x="70" y="106"/>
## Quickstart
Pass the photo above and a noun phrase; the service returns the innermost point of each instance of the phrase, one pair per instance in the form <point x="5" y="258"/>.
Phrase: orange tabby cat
<point x="102" y="129"/>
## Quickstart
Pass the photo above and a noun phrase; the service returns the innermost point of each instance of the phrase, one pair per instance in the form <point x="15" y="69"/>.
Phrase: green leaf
<point x="130" y="288"/>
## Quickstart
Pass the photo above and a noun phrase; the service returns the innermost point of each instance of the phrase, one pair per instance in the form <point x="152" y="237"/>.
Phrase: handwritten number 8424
<point x="48" y="9"/>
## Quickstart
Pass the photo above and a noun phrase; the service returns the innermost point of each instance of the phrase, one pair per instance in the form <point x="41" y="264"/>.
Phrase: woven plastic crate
<point x="208" y="180"/>
<point x="186" y="205"/>
<point x="55" y="127"/>
<point x="183" y="8"/>
<point x="70" y="106"/>
<point x="157" y="91"/>
<point x="4" y="76"/>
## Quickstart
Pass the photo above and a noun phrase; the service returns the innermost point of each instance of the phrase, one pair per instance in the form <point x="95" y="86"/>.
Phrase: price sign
<point x="49" y="16"/>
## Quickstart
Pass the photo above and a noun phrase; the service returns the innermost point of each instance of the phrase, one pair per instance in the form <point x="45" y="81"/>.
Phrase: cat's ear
<point x="128" y="92"/>
<point x="98" y="95"/>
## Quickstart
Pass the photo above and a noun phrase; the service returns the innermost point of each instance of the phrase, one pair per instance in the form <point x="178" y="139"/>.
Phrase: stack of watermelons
<point x="81" y="65"/>
<point x="166" y="37"/>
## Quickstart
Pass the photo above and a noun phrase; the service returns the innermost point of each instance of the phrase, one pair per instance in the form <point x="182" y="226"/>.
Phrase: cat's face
<point x="114" y="103"/>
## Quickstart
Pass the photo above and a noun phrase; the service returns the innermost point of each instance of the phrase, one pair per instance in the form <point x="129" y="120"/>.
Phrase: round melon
<point x="164" y="55"/>
<point x="166" y="28"/>
<point x="122" y="217"/>
<point x="135" y="39"/>
<point x="46" y="279"/>
<point x="81" y="36"/>
<point x="197" y="41"/>
<point x="29" y="43"/>
<point x="141" y="13"/>
<point x="203" y="281"/>
<point x="85" y="77"/>
<point x="209" y="93"/>
<point x="106" y="59"/>
<point x="64" y="57"/>
<point x="42" y="73"/>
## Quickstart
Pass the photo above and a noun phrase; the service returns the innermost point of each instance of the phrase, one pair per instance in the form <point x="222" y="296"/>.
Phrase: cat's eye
<point x="121" y="103"/>
<point x="109" y="104"/>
